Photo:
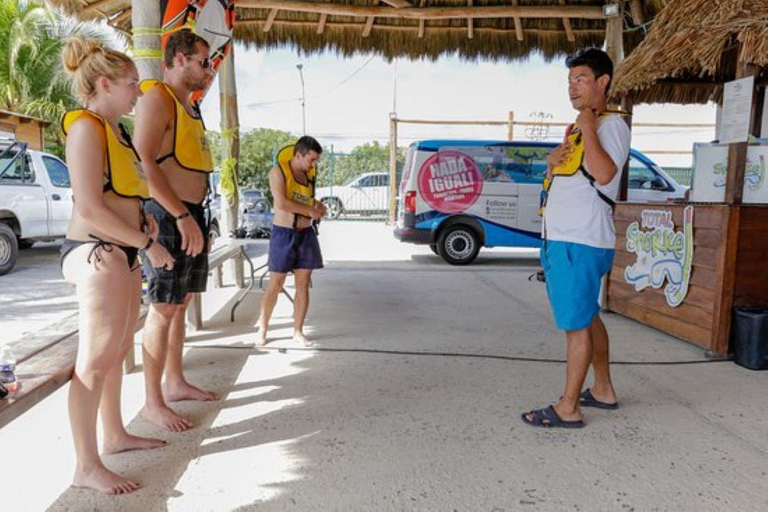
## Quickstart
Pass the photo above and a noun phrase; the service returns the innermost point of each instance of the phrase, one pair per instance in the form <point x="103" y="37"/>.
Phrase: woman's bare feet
<point x="104" y="481"/>
<point x="166" y="418"/>
<point x="186" y="391"/>
<point x="126" y="442"/>
<point x="299" y="338"/>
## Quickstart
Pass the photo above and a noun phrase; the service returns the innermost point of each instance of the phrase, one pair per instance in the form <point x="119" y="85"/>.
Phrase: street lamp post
<point x="303" y="111"/>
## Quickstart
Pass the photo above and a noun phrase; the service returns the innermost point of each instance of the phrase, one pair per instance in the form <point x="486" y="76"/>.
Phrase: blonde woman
<point x="99" y="255"/>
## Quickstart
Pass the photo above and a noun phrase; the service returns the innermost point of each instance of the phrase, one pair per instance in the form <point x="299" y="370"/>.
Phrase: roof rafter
<point x="431" y="13"/>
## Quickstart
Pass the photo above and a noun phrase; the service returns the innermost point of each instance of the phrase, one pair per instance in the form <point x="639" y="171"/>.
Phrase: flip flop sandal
<point x="549" y="418"/>
<point x="587" y="400"/>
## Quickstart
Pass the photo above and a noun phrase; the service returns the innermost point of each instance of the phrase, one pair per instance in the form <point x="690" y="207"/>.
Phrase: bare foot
<point x="127" y="442"/>
<point x="299" y="338"/>
<point x="186" y="391"/>
<point x="104" y="481"/>
<point x="166" y="418"/>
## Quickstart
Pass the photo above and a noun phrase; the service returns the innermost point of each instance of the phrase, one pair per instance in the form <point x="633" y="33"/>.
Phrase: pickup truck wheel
<point x="458" y="245"/>
<point x="25" y="243"/>
<point x="9" y="249"/>
<point x="434" y="249"/>
<point x="333" y="207"/>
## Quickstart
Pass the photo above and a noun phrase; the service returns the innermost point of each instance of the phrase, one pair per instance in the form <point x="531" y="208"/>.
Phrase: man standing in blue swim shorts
<point x="583" y="177"/>
<point x="293" y="245"/>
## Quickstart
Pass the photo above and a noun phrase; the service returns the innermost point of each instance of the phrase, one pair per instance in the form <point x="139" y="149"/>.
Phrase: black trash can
<point x="751" y="338"/>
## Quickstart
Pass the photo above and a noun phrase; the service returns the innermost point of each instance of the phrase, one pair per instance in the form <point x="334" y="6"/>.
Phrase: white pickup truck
<point x="35" y="199"/>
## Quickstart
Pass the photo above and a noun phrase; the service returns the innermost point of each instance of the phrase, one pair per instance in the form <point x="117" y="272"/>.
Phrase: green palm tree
<point x="32" y="78"/>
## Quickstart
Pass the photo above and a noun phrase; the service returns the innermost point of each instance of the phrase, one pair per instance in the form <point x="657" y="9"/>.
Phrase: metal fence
<point x="354" y="185"/>
<point x="682" y="175"/>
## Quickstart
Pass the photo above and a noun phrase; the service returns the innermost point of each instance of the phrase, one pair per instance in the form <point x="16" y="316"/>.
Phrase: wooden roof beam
<point x="422" y="23"/>
<point x="96" y="5"/>
<point x="321" y="25"/>
<point x="431" y="13"/>
<point x="270" y="20"/>
<point x="518" y="24"/>
<point x="398" y="4"/>
<point x="636" y="8"/>
<point x="567" y="26"/>
<point x="470" y="23"/>
<point x="368" y="26"/>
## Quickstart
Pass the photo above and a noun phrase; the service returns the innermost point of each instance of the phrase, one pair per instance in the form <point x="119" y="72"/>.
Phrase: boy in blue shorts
<point x="293" y="245"/>
<point x="584" y="174"/>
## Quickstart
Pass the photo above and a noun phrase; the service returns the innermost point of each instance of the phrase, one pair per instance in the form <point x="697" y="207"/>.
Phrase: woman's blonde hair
<point x="88" y="59"/>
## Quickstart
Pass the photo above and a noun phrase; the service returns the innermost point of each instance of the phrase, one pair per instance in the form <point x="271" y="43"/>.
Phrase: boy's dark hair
<point x="183" y="41"/>
<point x="596" y="60"/>
<point x="306" y="144"/>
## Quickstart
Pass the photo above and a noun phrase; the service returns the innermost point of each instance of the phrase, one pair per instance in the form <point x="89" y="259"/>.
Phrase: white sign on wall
<point x="737" y="109"/>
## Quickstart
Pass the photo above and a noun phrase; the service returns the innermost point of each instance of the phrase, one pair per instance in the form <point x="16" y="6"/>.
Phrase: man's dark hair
<point x="596" y="60"/>
<point x="306" y="144"/>
<point x="184" y="41"/>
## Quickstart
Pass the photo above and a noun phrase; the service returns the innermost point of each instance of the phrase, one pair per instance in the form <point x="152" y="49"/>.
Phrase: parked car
<point x="459" y="196"/>
<point x="35" y="199"/>
<point x="367" y="194"/>
<point x="254" y="220"/>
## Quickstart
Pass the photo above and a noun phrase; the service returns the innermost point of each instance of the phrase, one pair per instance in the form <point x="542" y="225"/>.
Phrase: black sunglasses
<point x="205" y="63"/>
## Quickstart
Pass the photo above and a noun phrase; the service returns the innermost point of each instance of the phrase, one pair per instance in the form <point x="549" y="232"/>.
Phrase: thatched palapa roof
<point x="488" y="29"/>
<point x="693" y="48"/>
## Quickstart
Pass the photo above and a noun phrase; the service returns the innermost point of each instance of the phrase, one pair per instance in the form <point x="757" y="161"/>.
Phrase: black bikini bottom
<point x="69" y="245"/>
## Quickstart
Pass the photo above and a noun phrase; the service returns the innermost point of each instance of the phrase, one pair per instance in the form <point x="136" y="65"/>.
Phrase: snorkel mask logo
<point x="663" y="254"/>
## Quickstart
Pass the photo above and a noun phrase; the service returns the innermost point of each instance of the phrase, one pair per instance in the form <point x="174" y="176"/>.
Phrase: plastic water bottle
<point x="8" y="370"/>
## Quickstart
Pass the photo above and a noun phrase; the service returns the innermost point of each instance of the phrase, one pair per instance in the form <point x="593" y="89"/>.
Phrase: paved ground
<point x="368" y="422"/>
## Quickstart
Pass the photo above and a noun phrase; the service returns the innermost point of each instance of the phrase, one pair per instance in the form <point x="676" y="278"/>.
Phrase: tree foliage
<point x="32" y="78"/>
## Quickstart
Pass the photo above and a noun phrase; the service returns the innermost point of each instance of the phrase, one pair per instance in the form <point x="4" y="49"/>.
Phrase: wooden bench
<point x="216" y="259"/>
<point x="45" y="362"/>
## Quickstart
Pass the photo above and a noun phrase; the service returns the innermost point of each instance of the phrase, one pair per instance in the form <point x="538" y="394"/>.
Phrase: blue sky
<point x="348" y="100"/>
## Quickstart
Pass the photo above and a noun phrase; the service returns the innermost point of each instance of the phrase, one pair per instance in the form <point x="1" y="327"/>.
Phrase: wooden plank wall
<point x="751" y="283"/>
<point x="26" y="130"/>
<point x="697" y="318"/>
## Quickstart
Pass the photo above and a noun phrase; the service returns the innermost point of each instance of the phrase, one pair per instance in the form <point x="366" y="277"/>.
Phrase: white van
<point x="458" y="196"/>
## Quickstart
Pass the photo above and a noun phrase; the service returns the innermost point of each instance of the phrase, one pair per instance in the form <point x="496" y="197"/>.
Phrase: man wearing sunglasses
<point x="170" y="140"/>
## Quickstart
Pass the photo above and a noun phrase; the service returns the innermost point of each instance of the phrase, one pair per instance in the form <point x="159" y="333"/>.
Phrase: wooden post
<point x="614" y="37"/>
<point x="230" y="151"/>
<point x="511" y="127"/>
<point x="627" y="104"/>
<point x="146" y="18"/>
<point x="392" y="166"/>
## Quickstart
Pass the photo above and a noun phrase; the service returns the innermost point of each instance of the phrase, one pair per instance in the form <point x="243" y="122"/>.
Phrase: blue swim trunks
<point x="573" y="275"/>
<point x="290" y="249"/>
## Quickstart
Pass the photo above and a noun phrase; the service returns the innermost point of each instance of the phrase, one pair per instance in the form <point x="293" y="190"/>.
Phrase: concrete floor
<point x="365" y="423"/>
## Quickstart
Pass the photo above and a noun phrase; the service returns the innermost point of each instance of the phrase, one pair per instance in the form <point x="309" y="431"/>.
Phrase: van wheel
<point x="333" y="207"/>
<point x="434" y="249"/>
<point x="9" y="249"/>
<point x="458" y="245"/>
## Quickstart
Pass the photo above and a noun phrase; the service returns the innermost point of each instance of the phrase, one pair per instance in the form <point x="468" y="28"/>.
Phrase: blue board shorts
<point x="573" y="275"/>
<point x="291" y="249"/>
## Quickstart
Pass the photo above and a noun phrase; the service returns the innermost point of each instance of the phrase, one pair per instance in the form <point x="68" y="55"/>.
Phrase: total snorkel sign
<point x="450" y="181"/>
<point x="663" y="254"/>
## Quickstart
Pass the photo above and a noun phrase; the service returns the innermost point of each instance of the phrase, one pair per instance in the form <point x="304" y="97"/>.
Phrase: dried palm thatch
<point x="471" y="29"/>
<point x="692" y="49"/>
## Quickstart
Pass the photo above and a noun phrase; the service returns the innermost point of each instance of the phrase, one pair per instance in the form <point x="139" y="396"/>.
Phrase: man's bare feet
<point x="186" y="391"/>
<point x="104" y="481"/>
<point x="299" y="338"/>
<point x="165" y="418"/>
<point x="126" y="442"/>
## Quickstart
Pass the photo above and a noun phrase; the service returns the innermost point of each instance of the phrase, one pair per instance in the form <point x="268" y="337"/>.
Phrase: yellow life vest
<point x="190" y="147"/>
<point x="575" y="162"/>
<point x="124" y="174"/>
<point x="294" y="190"/>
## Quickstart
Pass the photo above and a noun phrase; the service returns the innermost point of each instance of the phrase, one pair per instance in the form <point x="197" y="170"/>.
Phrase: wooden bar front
<point x="728" y="270"/>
